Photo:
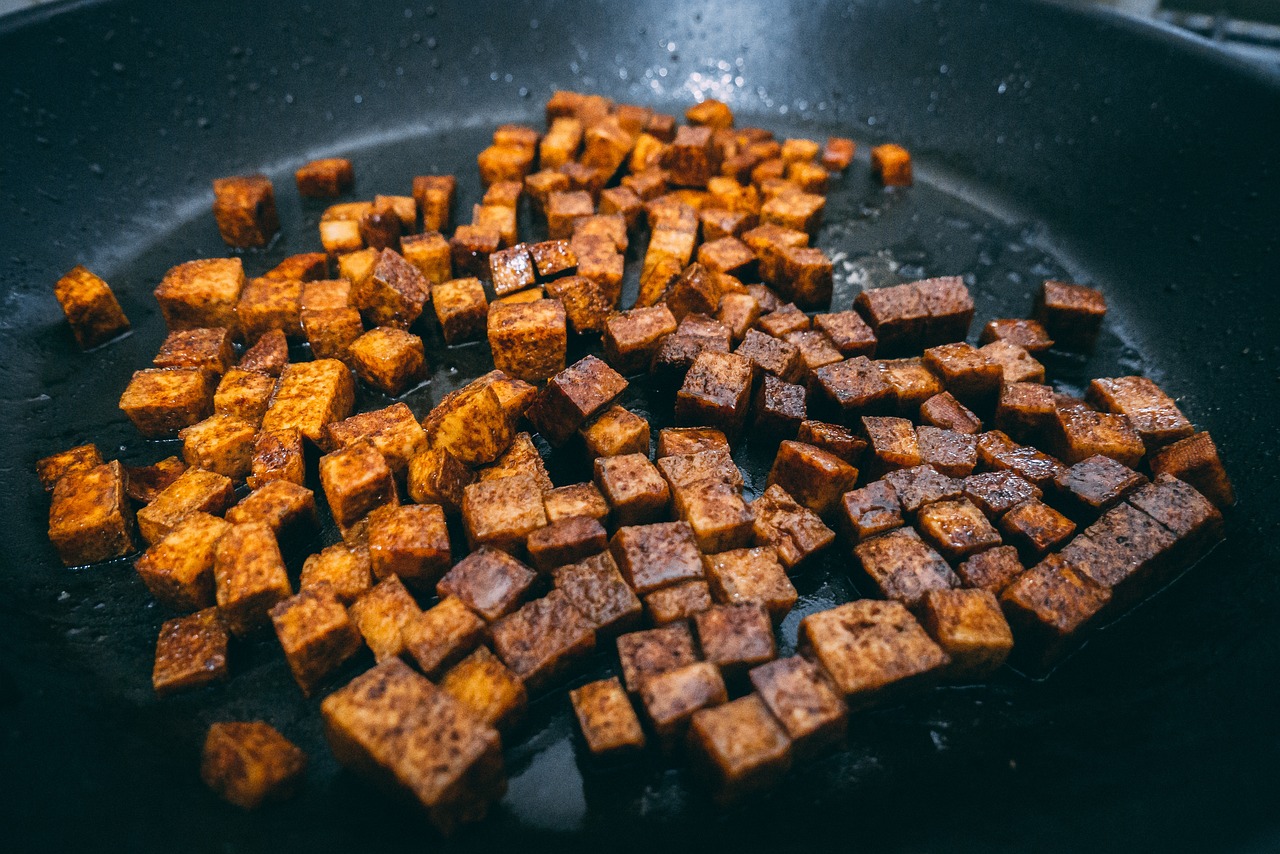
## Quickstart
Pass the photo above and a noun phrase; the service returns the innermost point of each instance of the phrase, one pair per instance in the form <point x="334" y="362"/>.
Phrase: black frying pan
<point x="1048" y="143"/>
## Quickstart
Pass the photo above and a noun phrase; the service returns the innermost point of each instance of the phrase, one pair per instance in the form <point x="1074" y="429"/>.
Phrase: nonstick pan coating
<point x="1048" y="143"/>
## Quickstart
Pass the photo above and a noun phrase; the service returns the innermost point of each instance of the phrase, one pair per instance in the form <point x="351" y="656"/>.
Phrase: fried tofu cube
<point x="332" y="331"/>
<point x="947" y="451"/>
<point x="310" y="396"/>
<point x="305" y="267"/>
<point x="956" y="528"/>
<point x="632" y="337"/>
<point x="346" y="570"/>
<point x="471" y="423"/>
<point x="573" y="396"/>
<point x="543" y="639"/>
<point x="898" y="316"/>
<point x="201" y="294"/>
<point x="144" y="483"/>
<point x="659" y="555"/>
<point x="671" y="698"/>
<point x="1081" y="433"/>
<point x="267" y="304"/>
<point x="967" y="373"/>
<point x="394" y="431"/>
<point x="512" y="270"/>
<point x="1016" y="364"/>
<point x="1036" y="527"/>
<point x="597" y="589"/>
<point x="339" y="236"/>
<point x="997" y="452"/>
<point x="891" y="163"/>
<point x="739" y="312"/>
<point x="970" y="627"/>
<point x="461" y="308"/>
<point x="161" y="401"/>
<point x="410" y="541"/>
<point x="244" y="395"/>
<point x="800" y="697"/>
<point x="565" y="208"/>
<point x="505" y="163"/>
<point x="736" y="637"/>
<point x="388" y="359"/>
<point x="944" y="411"/>
<point x="1026" y="411"/>
<point x="587" y="303"/>
<point x="249" y="763"/>
<point x="719" y="223"/>
<point x="194" y="491"/>
<point x="911" y="381"/>
<point x="395" y="725"/>
<point x="1030" y="335"/>
<point x="740" y="747"/>
<point x="848" y="333"/>
<point x="90" y="307"/>
<point x="503" y="512"/>
<point x="832" y="438"/>
<point x="53" y="468"/>
<point x="560" y="143"/>
<point x="442" y="635"/>
<point x="993" y="569"/>
<point x="1049" y="607"/>
<point x="678" y="602"/>
<point x="694" y="291"/>
<point x="608" y="722"/>
<point x="684" y="470"/>
<point x="634" y="488"/>
<point x="751" y="575"/>
<point x="795" y="531"/>
<point x="893" y="443"/>
<point x="691" y="159"/>
<point x="579" y="499"/>
<point x="997" y="492"/>
<point x="1195" y="460"/>
<point x="870" y="511"/>
<point x="381" y="614"/>
<point x="528" y="340"/>
<point x="431" y="255"/>
<point x="1185" y="513"/>
<point x="681" y="441"/>
<point x="436" y="476"/>
<point x="814" y="478"/>
<point x="522" y="458"/>
<point x="434" y="196"/>
<point x="249" y="577"/>
<point x="716" y="392"/>
<point x="245" y="209"/>
<point x="644" y="655"/>
<point x="471" y="246"/>
<point x="566" y="541"/>
<point x="715" y="509"/>
<point x="277" y="455"/>
<point x="849" y="388"/>
<point x="1071" y="314"/>
<point x="283" y="506"/>
<point x="191" y="652"/>
<point x="728" y="255"/>
<point x="325" y="178"/>
<point x="1093" y="485"/>
<point x="806" y="273"/>
<point x="795" y="210"/>
<point x="1153" y="413"/>
<point x="921" y="485"/>
<point x="487" y="688"/>
<point x="772" y="355"/>
<point x="489" y="582"/>
<point x="393" y="294"/>
<point x="816" y="349"/>
<point x="780" y="407"/>
<point x="615" y="432"/>
<point x="870" y="649"/>
<point x="904" y="567"/>
<point x="1125" y="551"/>
<point x="220" y="443"/>
<point x="356" y="480"/>
<point x="316" y="634"/>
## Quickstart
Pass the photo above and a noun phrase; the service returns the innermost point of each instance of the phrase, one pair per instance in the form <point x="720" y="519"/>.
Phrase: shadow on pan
<point x="1049" y="143"/>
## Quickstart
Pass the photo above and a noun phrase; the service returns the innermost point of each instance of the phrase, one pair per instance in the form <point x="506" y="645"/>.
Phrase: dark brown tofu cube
<point x="806" y="273"/>
<point x="1125" y="551"/>
<point x="1094" y="485"/>
<point x="967" y="373"/>
<point x="1016" y="364"/>
<point x="503" y="512"/>
<point x="566" y="541"/>
<point x="249" y="577"/>
<point x="596" y="588"/>
<point x="800" y="697"/>
<point x="869" y="648"/>
<point x="1036" y="527"/>
<point x="53" y="468"/>
<point x="528" y="340"/>
<point x="892" y="442"/>
<point x="736" y="638"/>
<point x="381" y="614"/>
<point x="1195" y="460"/>
<point x="144" y="483"/>
<point x="543" y="639"/>
<point x="728" y="255"/>
<point x="285" y="507"/>
<point x="522" y="458"/>
<point x="683" y="441"/>
<point x="608" y="722"/>
<point x="772" y="355"/>
<point x="277" y="455"/>
<point x="1030" y="335"/>
<point x="1153" y="413"/>
<point x="587" y="304"/>
<point x="346" y="570"/>
<point x="411" y="541"/>
<point x="694" y="291"/>
<point x="912" y="384"/>
<point x="904" y="567"/>
<point x="1185" y="512"/>
<point x="782" y="321"/>
<point x="832" y="438"/>
<point x="461" y="308"/>
<point x="624" y="202"/>
<point x="245" y="209"/>
<point x="813" y="477"/>
<point x="573" y="396"/>
<point x="191" y="652"/>
<point x="90" y="518"/>
<point x="356" y="480"/>
<point x="956" y="528"/>
<point x="847" y="389"/>
<point x="193" y="491"/>
<point x="739" y="312"/>
<point x="471" y="246"/>
<point x="487" y="688"/>
<point x="393" y="294"/>
<point x="795" y="531"/>
<point x="646" y="654"/>
<point x="716" y="392"/>
<point x="161" y="401"/>
<point x="651" y="557"/>
<point x="780" y="406"/>
<point x="677" y="353"/>
<point x="472" y="423"/>
<point x="634" y="488"/>
<point x="995" y="493"/>
<point x="870" y="511"/>
<point x="442" y="635"/>
<point x="921" y="485"/>
<point x="897" y="315"/>
<point x="997" y="452"/>
<point x="750" y="575"/>
<point x="991" y="570"/>
<point x="848" y="332"/>
<point x="948" y="452"/>
<point x="950" y="308"/>
<point x="316" y="634"/>
<point x="969" y="626"/>
<point x="394" y="725"/>
<point x="672" y="698"/>
<point x="677" y="602"/>
<point x="1081" y="433"/>
<point x="579" y="499"/>
<point x="1049" y="607"/>
<point x="90" y="307"/>
<point x="740" y="747"/>
<point x="691" y="159"/>
<point x="943" y="410"/>
<point x="1026" y="411"/>
<point x="248" y="764"/>
<point x="1071" y="314"/>
<point x="816" y="349"/>
<point x="553" y="258"/>
<point x="719" y="223"/>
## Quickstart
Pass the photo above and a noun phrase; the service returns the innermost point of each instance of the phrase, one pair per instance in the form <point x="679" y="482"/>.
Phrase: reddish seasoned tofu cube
<point x="1195" y="460"/>
<point x="993" y="569"/>
<point x="632" y="337"/>
<point x="394" y="431"/>
<point x="848" y="332"/>
<point x="1030" y="335"/>
<point x="90" y="307"/>
<point x="898" y="316"/>
<point x="967" y="373"/>
<point x="488" y="581"/>
<point x="870" y="511"/>
<point x="503" y="512"/>
<point x="999" y="491"/>
<point x="566" y="541"/>
<point x="53" y="468"/>
<point x="607" y="720"/>
<point x="656" y="556"/>
<point x="921" y="485"/>
<point x="209" y="349"/>
<point x="316" y="633"/>
<point x="90" y="518"/>
<point x="968" y="624"/>
<point x="244" y="394"/>
<point x="956" y="528"/>
<point x="671" y="698"/>
<point x="283" y="506"/>
<point x="277" y="455"/>
<point x="891" y="163"/>
<point x="596" y="588"/>
<point x="795" y="531"/>
<point x="801" y="698"/>
<point x="410" y="541"/>
<point x="772" y="355"/>
<point x="528" y="340"/>
<point x="678" y="602"/>
<point x="356" y="480"/>
<point x="634" y="488"/>
<point x="944" y="411"/>
<point x="327" y="177"/>
<point x="488" y="689"/>
<point x="947" y="451"/>
<point x="847" y="389"/>
<point x="1153" y="413"/>
<point x="751" y="575"/>
<point x="194" y="491"/>
<point x="736" y="638"/>
<point x="249" y="576"/>
<point x="245" y="209"/>
<point x="434" y="196"/>
<point x="381" y="614"/>
<point x="178" y="570"/>
<point x="191" y="652"/>
<point x="1049" y="607"/>
<point x="201" y="294"/>
<point x="442" y="635"/>
<point x="461" y="308"/>
<point x="716" y="392"/>
<point x="893" y="443"/>
<point x="904" y="567"/>
<point x="311" y="395"/>
<point x="161" y="401"/>
<point x="247" y="764"/>
<point x="1036" y="527"/>
<point x="220" y="443"/>
<point x="543" y="639"/>
<point x="573" y="396"/>
<point x="813" y="477"/>
<point x="1071" y="314"/>
<point x="346" y="570"/>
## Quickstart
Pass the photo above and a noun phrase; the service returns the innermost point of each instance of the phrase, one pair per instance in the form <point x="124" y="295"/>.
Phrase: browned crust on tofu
<point x="316" y="634"/>
<point x="795" y="531"/>
<point x="608" y="721"/>
<point x="543" y="639"/>
<point x="90" y="517"/>
<point x="740" y="747"/>
<point x="643" y="655"/>
<point x="191" y="652"/>
<point x="90" y="307"/>
<point x="250" y="763"/>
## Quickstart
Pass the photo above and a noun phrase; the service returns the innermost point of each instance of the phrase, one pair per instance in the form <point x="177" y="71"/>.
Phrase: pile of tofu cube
<point x="993" y="515"/>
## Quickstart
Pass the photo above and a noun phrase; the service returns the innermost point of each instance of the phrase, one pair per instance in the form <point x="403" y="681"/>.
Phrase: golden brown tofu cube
<point x="325" y="178"/>
<point x="91" y="519"/>
<point x="632" y="337"/>
<point x="912" y="383"/>
<point x="528" y="340"/>
<point x="739" y="312"/>
<point x="1195" y="460"/>
<point x="511" y="270"/>
<point x="682" y="441"/>
<point x="658" y="555"/>
<point x="633" y="487"/>
<point x="381" y="614"/>
<point x="436" y="476"/>
<point x="1026" y="411"/>
<point x="870" y="511"/>
<point x="969" y="626"/>
<point x="1016" y="364"/>
<point x="245" y="208"/>
<point x="1071" y="314"/>
<point x="995" y="493"/>
<point x="848" y="332"/>
<point x="443" y="635"/>
<point x="356" y="480"/>
<point x="795" y="531"/>
<point x="1030" y="335"/>
<point x="249" y="576"/>
<point x="194" y="491"/>
<point x="389" y="359"/>
<point x="736" y="638"/>
<point x="678" y="602"/>
<point x="382" y="225"/>
<point x="944" y="411"/>
<point x="434" y="195"/>
<point x="487" y="688"/>
<point x="393" y="294"/>
<point x="244" y="394"/>
<point x="805" y="276"/>
<point x="993" y="569"/>
<point x="161" y="401"/>
<point x="144" y="483"/>
<point x="505" y="163"/>
<point x="671" y="698"/>
<point x="716" y="511"/>
<point x="339" y="236"/>
<point x="430" y="254"/>
<point x="573" y="396"/>
<point x="521" y="458"/>
<point x="487" y="219"/>
<point x="740" y="747"/>
<point x="710" y="113"/>
<point x="716" y="392"/>
<point x="904" y="567"/>
<point x="410" y="541"/>
<point x="471" y="423"/>
<point x="489" y="582"/>
<point x="813" y="477"/>
<point x="796" y="210"/>
<point x="346" y="570"/>
<point x="201" y="294"/>
<point x="845" y="390"/>
<point x="311" y="395"/>
<point x="90" y="307"/>
<point x="1082" y="433"/>
<point x="540" y="185"/>
<point x="543" y="639"/>
<point x="1153" y="413"/>
<point x="461" y="308"/>
<point x="191" y="652"/>
<point x="1049" y="607"/>
<point x="281" y="505"/>
<point x="53" y="468"/>
<point x="277" y="455"/>
<point x="614" y="432"/>
<point x="1094" y="485"/>
<point x="956" y="528"/>
<point x="837" y="154"/>
<point x="1036" y="527"/>
<point x="249" y="763"/>
<point x="691" y="159"/>
<point x="266" y="304"/>
<point x="832" y="438"/>
<point x="997" y="452"/>
<point x="947" y="451"/>
<point x="752" y="575"/>
<point x="969" y="375"/>
<point x="560" y="143"/>
<point x="220" y="443"/>
<point x="332" y="331"/>
<point x="503" y="512"/>
<point x="695" y="291"/>
<point x="316" y="634"/>
<point x="566" y="541"/>
<point x="394" y="725"/>
<point x="800" y="697"/>
<point x="891" y="163"/>
<point x="394" y="431"/>
<point x="893" y="443"/>
<point x="607" y="720"/>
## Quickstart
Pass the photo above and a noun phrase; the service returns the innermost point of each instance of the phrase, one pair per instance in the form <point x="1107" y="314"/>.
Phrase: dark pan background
<point x="1048" y="143"/>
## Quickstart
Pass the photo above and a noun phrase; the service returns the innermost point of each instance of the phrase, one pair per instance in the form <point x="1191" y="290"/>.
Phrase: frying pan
<point x="1049" y="143"/>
